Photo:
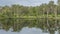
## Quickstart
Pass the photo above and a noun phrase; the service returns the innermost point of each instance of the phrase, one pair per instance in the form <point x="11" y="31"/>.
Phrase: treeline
<point x="17" y="10"/>
<point x="46" y="24"/>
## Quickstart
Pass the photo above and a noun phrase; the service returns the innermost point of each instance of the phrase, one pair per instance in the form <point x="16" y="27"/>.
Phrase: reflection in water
<point x="17" y="24"/>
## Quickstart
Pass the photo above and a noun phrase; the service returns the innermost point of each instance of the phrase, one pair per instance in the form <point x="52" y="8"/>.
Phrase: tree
<point x="58" y="2"/>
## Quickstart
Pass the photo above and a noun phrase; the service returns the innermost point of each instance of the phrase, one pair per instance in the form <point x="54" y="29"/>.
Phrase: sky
<point x="24" y="2"/>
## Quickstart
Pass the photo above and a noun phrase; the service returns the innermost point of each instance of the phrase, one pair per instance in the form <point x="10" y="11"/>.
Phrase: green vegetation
<point x="45" y="17"/>
<point x="17" y="11"/>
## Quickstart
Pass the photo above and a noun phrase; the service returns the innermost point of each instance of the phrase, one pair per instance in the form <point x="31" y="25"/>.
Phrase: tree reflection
<point x="18" y="23"/>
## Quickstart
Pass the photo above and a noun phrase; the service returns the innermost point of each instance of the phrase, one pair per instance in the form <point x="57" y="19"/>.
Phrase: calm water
<point x="30" y="26"/>
<point x="26" y="30"/>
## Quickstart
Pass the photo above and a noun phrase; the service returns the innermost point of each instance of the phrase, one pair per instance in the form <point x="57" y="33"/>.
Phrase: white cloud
<point x="23" y="2"/>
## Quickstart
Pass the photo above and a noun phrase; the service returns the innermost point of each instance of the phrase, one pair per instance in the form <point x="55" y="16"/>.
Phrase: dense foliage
<point x="17" y="11"/>
<point x="45" y="17"/>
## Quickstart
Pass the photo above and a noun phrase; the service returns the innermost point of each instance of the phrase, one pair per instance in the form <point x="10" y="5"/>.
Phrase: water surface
<point x="30" y="26"/>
